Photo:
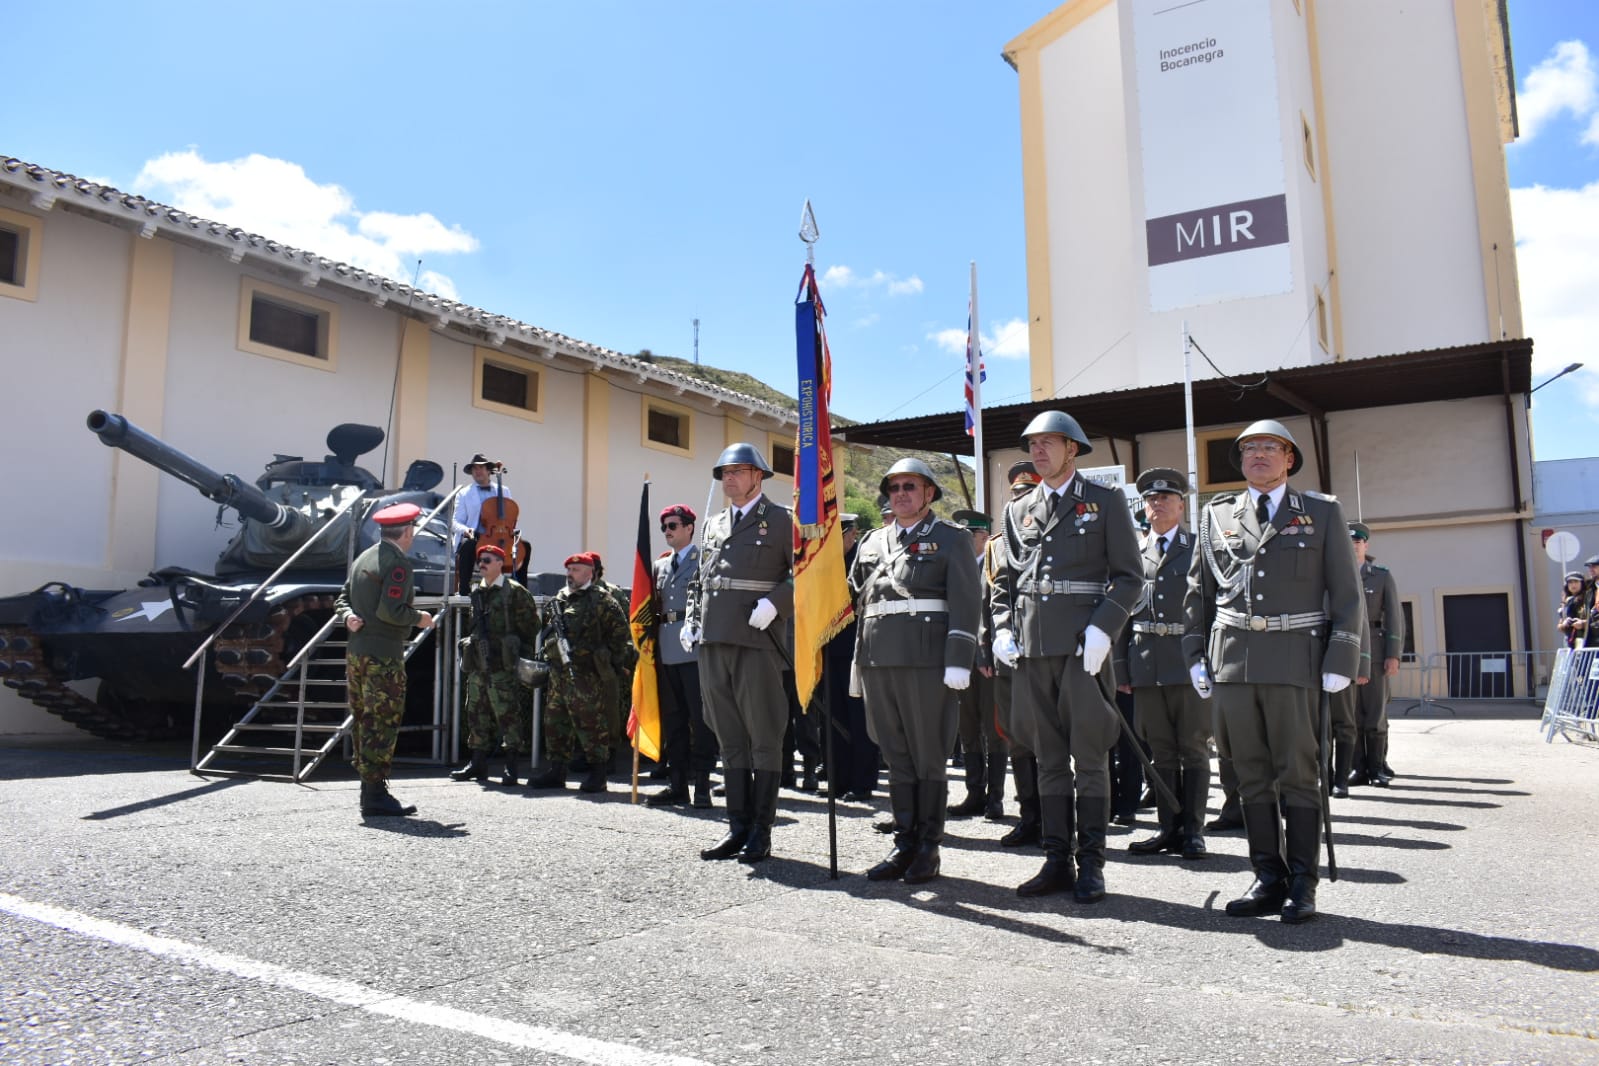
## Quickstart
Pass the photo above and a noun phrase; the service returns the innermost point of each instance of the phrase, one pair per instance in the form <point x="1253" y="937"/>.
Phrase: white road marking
<point x="347" y="993"/>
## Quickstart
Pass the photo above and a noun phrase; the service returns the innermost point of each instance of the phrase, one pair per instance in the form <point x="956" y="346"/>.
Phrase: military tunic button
<point x="1260" y="595"/>
<point x="1260" y="573"/>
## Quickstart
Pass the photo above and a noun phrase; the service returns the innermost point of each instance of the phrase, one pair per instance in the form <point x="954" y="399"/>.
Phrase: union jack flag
<point x="976" y="373"/>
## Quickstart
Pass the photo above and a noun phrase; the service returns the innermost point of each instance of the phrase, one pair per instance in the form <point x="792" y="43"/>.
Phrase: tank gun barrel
<point x="229" y="490"/>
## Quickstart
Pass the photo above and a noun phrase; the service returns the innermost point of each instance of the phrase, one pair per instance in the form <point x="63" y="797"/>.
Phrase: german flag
<point x="644" y="722"/>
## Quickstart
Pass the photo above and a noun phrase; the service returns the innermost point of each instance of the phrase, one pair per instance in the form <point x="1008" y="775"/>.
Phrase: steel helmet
<point x="1268" y="427"/>
<point x="1058" y="422"/>
<point x="742" y="452"/>
<point x="911" y="465"/>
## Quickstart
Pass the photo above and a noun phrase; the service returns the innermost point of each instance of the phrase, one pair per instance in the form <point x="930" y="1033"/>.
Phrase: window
<point x="20" y="244"/>
<point x="501" y="383"/>
<point x="1216" y="470"/>
<point x="668" y="427"/>
<point x="287" y="325"/>
<point x="1321" y="321"/>
<point x="1309" y="142"/>
<point x="1407" y="604"/>
<point x="782" y="459"/>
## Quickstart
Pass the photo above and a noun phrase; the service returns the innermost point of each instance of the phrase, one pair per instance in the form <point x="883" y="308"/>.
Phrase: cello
<point x="499" y="525"/>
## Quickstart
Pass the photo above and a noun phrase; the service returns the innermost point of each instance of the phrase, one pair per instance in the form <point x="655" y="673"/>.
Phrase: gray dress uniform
<point x="688" y="743"/>
<point x="1023" y="765"/>
<point x="1385" y="621"/>
<point x="1274" y="608"/>
<point x="1171" y="718"/>
<point x="1069" y="565"/>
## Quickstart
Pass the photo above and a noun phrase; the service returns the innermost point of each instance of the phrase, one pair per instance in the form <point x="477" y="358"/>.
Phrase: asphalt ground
<point x="147" y="915"/>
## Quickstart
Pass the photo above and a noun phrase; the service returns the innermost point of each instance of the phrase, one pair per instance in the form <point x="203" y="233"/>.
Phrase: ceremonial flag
<point x="821" y="589"/>
<point x="976" y="374"/>
<point x="644" y="722"/>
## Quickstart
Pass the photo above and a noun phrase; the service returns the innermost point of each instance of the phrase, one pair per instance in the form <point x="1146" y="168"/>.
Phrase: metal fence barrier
<point x="1571" y="708"/>
<point x="1449" y="677"/>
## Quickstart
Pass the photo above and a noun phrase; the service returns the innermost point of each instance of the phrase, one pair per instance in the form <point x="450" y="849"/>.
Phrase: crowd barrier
<point x="1448" y="677"/>
<point x="1571" y="708"/>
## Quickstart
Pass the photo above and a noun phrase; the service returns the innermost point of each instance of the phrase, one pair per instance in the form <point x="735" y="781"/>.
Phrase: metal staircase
<point x="304" y="716"/>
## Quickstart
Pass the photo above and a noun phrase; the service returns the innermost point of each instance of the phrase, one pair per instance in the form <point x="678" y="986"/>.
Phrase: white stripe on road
<point x="347" y="993"/>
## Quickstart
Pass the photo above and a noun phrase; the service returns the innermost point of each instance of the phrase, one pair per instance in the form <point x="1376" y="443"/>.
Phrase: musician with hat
<point x="478" y="504"/>
<point x="375" y="607"/>
<point x="504" y="627"/>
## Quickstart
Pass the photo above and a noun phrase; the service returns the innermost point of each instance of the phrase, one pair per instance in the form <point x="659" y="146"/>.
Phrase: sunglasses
<point x="670" y="525"/>
<point x="484" y="560"/>
<point x="904" y="486"/>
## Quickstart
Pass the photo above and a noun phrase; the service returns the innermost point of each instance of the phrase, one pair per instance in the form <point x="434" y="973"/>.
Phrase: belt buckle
<point x="1257" y="622"/>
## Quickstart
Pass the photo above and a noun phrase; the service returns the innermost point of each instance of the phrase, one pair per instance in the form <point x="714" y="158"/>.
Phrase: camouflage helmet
<point x="1268" y="427"/>
<point x="911" y="465"/>
<point x="741" y="453"/>
<point x="1057" y="422"/>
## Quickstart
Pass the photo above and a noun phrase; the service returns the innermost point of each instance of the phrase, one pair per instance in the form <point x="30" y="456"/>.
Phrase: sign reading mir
<point x="1216" y="230"/>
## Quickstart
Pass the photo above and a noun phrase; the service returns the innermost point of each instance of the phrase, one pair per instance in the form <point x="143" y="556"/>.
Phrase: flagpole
<point x="1193" y="450"/>
<point x="974" y="370"/>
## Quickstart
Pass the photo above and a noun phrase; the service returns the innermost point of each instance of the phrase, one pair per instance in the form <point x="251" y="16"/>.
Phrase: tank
<point x="127" y="646"/>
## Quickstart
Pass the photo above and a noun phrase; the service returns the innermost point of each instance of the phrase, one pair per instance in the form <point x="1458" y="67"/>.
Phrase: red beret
<point x="581" y="558"/>
<point x="680" y="511"/>
<point x="400" y="514"/>
<point x="491" y="549"/>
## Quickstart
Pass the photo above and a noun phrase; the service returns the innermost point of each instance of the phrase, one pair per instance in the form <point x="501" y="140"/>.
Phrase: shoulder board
<point x="1379" y="566"/>
<point x="1321" y="496"/>
<point x="1223" y="497"/>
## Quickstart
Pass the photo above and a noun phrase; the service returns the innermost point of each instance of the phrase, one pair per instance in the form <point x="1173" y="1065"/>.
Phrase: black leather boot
<point x="1361" y="760"/>
<point x="675" y="794"/>
<point x="1093" y="817"/>
<point x="976" y="789"/>
<point x="1196" y="789"/>
<point x="737" y="786"/>
<point x="702" y="790"/>
<point x="994" y="801"/>
<point x="763" y="812"/>
<point x="1377" y="754"/>
<point x="1170" y="837"/>
<point x="377" y="802"/>
<point x="552" y="776"/>
<point x="1270" y="887"/>
<point x="510" y="780"/>
<point x="932" y="797"/>
<point x="1030" y="829"/>
<point x="1057" y="830"/>
<point x="902" y="801"/>
<point x="1303" y="847"/>
<point x="808" y="780"/>
<point x="1343" y="759"/>
<point x="595" y="779"/>
<point x="476" y="768"/>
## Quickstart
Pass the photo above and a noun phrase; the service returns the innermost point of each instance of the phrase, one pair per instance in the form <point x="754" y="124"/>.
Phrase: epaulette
<point x="1379" y="566"/>
<point x="1321" y="496"/>
<point x="664" y="553"/>
<point x="1223" y="497"/>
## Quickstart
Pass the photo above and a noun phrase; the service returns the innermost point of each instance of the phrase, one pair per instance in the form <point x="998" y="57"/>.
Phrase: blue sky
<point x="616" y="170"/>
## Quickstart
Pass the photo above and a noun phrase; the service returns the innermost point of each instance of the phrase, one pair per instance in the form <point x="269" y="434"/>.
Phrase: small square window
<point x="283" y="326"/>
<point x="513" y="388"/>
<point x="666" y="428"/>
<point x="11" y="262"/>
<point x="287" y="325"/>
<point x="20" y="245"/>
<point x="783" y="459"/>
<point x="1216" y="470"/>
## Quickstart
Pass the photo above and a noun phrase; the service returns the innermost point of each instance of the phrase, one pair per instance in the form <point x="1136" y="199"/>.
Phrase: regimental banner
<point x="1215" y="204"/>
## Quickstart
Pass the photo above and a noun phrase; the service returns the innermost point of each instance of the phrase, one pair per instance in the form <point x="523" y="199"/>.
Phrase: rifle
<point x="563" y="645"/>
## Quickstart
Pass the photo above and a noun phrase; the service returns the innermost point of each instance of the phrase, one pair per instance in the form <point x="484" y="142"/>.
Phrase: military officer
<point x="689" y="746"/>
<point x="982" y="747"/>
<point x="1171" y="717"/>
<point x="1385" y="629"/>
<point x="918" y="595"/>
<point x="376" y="609"/>
<point x="504" y="622"/>
<point x="745" y="585"/>
<point x="1023" y="479"/>
<point x="589" y="647"/>
<point x="1071" y="578"/>
<point x="1272" y="619"/>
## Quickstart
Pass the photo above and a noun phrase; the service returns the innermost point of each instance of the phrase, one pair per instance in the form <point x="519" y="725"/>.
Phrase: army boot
<point x="702" y="790"/>
<point x="902" y="801"/>
<point x="808" y="782"/>
<point x="595" y="779"/>
<point x="510" y="780"/>
<point x="1059" y="872"/>
<point x="476" y="768"/>
<point x="376" y="801"/>
<point x="994" y="802"/>
<point x="1196" y="788"/>
<point x="1303" y="846"/>
<point x="675" y="794"/>
<point x="1377" y="758"/>
<point x="976" y="788"/>
<point x="763" y="812"/>
<point x="932" y="797"/>
<point x="737" y="787"/>
<point x="553" y="776"/>
<point x="1029" y="829"/>
<point x="1343" y="759"/>
<point x="1170" y="837"/>
<point x="1270" y="887"/>
<point x="1093" y="817"/>
<point x="1360" y="759"/>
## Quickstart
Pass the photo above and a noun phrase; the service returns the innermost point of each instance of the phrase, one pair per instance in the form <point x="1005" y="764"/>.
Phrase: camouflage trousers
<point x="496" y="709"/>
<point x="377" y="702"/>
<point x="577" y="716"/>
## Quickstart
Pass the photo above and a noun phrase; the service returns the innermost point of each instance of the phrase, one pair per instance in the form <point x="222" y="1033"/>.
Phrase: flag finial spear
<point x="808" y="231"/>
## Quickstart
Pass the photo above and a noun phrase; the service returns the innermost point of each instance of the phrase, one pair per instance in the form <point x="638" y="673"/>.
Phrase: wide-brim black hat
<point x="481" y="460"/>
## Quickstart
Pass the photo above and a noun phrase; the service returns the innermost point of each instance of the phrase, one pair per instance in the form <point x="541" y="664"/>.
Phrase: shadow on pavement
<point x="164" y="801"/>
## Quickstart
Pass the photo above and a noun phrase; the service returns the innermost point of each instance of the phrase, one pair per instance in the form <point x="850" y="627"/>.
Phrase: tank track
<point x="248" y="658"/>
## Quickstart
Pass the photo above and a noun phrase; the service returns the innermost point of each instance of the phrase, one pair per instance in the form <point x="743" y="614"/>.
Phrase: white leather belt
<point x="880" y="607"/>
<point x="738" y="583"/>
<point x="1269" y="623"/>
<point x="1160" y="629"/>
<point x="1075" y="588"/>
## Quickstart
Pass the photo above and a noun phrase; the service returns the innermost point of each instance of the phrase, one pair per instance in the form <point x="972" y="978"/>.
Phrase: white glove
<point x="1005" y="649"/>
<point x="1334" y="682"/>
<point x="958" y="678"/>
<point x="763" y="614"/>
<point x="1096" y="645"/>
<point x="688" y="636"/>
<point x="1201" y="679"/>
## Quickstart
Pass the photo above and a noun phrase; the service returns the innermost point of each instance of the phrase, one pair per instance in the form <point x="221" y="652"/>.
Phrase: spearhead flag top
<point x="821" y="590"/>
<point x="644" y="721"/>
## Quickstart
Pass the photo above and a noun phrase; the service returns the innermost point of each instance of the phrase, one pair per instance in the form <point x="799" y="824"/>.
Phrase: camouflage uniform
<point x="505" y="623"/>
<point x="379" y="592"/>
<point x="584" y="694"/>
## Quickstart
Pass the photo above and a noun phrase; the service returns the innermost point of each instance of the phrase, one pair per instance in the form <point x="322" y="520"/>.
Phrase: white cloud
<point x="276" y="198"/>
<point x="842" y="277"/>
<point x="909" y="287"/>
<point x="1564" y="82"/>
<point x="1556" y="232"/>
<point x="1007" y="340"/>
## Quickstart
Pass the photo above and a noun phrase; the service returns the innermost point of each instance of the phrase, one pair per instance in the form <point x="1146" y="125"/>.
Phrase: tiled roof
<point x="46" y="186"/>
